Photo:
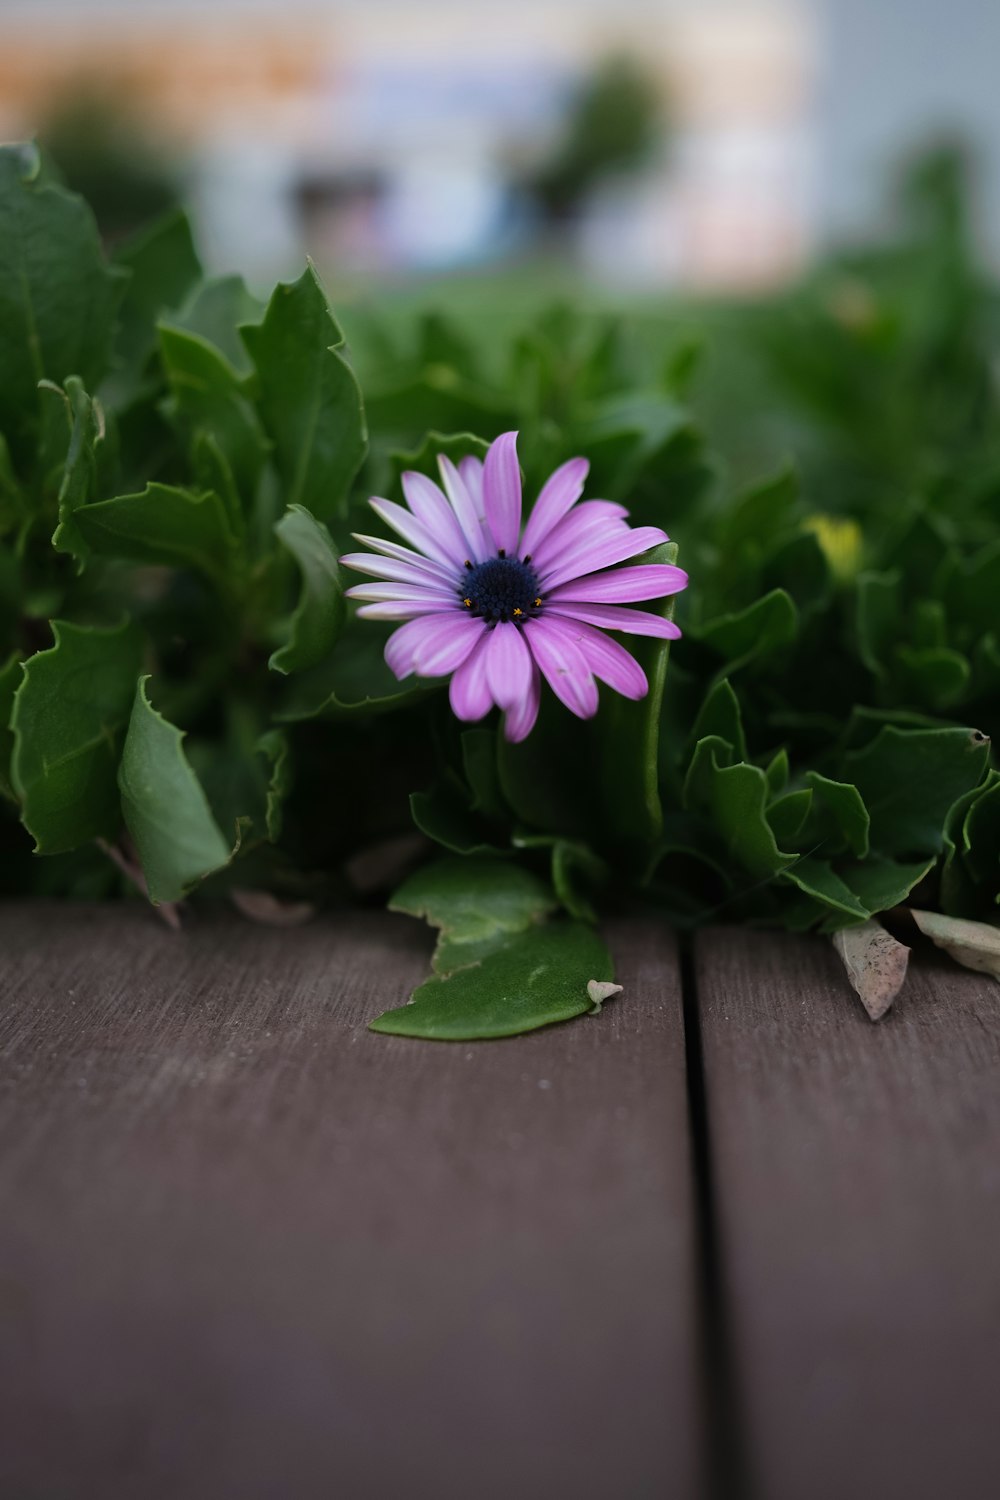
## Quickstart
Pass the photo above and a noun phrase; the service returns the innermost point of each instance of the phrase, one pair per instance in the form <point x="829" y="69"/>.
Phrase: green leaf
<point x="759" y="512"/>
<point x="634" y="441"/>
<point x="10" y="677"/>
<point x="777" y="773"/>
<point x="436" y="399"/>
<point x="536" y="978"/>
<point x="720" y="715"/>
<point x="245" y="778"/>
<point x="818" y="879"/>
<point x="787" y="814"/>
<point x="319" y="615"/>
<point x="880" y="884"/>
<point x="847" y="812"/>
<point x="709" y="753"/>
<point x="274" y="747"/>
<point x="80" y="474"/>
<point x="970" y="879"/>
<point x="933" y="675"/>
<point x="163" y="269"/>
<point x="975" y="588"/>
<point x="908" y="780"/>
<point x="68" y="717"/>
<point x="800" y="566"/>
<point x="166" y="810"/>
<point x="353" y="680"/>
<point x="206" y="395"/>
<point x="476" y="904"/>
<point x="276" y="750"/>
<point x="57" y="295"/>
<point x="759" y="630"/>
<point x="576" y="872"/>
<point x="981" y="836"/>
<point x="735" y="798"/>
<point x="216" y="310"/>
<point x="878" y="614"/>
<point x="853" y="892"/>
<point x="165" y="525"/>
<point x="445" y="814"/>
<point x="309" y="398"/>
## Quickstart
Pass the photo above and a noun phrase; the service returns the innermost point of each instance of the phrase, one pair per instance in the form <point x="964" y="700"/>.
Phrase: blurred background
<point x="700" y="146"/>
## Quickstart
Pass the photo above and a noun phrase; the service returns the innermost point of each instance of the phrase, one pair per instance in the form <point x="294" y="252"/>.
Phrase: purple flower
<point x="497" y="607"/>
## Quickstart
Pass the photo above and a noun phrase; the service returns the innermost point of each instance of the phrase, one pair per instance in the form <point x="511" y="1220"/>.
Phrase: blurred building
<point x="390" y="135"/>
<point x="387" y="136"/>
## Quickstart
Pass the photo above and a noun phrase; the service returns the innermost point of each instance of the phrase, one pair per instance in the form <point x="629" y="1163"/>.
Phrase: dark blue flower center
<point x="501" y="588"/>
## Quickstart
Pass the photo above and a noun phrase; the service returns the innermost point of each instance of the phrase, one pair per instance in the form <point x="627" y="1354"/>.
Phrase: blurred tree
<point x="613" y="126"/>
<point x="103" y="153"/>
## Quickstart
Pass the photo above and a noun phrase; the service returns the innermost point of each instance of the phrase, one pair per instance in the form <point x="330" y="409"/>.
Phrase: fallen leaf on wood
<point x="875" y="962"/>
<point x="974" y="944"/>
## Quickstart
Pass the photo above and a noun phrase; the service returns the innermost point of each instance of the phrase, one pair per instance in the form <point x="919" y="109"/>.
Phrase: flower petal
<point x="558" y="494"/>
<point x="603" y="552"/>
<point x="399" y="609"/>
<point x="401" y="647"/>
<point x="471" y="470"/>
<point x="618" y="617"/>
<point x="431" y="508"/>
<point x="620" y="585"/>
<point x="608" y="660"/>
<point x="519" y="721"/>
<point x="564" y="666"/>
<point x="502" y="493"/>
<point x="406" y="554"/>
<point x="467" y="512"/>
<point x="444" y="652"/>
<point x="591" y="518"/>
<point x="442" y="596"/>
<point x="469" y="692"/>
<point x="411" y="530"/>
<point x="390" y="568"/>
<point x="508" y="665"/>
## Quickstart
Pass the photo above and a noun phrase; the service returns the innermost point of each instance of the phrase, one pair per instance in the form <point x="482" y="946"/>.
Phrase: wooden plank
<point x="856" y="1176"/>
<point x="248" y="1248"/>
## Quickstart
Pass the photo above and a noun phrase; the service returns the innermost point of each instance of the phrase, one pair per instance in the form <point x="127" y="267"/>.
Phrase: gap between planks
<point x="857" y="1178"/>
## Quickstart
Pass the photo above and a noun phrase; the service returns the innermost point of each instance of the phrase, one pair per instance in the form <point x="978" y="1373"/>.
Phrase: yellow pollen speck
<point x="517" y="611"/>
<point x="538" y="603"/>
<point x="467" y="603"/>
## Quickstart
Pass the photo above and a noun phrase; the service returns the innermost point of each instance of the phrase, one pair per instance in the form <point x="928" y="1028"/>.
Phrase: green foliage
<point x="476" y="905"/>
<point x="58" y="297"/>
<point x="499" y="967"/>
<point x="319" y="615"/>
<point x="164" y="805"/>
<point x="537" y="978"/>
<point x="309" y="398"/>
<point x="67" y="718"/>
<point x="180" y="467"/>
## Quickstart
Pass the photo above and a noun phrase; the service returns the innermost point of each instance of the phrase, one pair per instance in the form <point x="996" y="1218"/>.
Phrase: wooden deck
<point x="727" y="1239"/>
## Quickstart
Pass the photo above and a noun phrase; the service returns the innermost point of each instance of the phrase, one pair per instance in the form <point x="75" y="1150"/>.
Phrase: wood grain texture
<point x="856" y="1174"/>
<point x="249" y="1249"/>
